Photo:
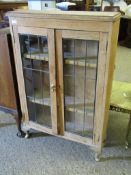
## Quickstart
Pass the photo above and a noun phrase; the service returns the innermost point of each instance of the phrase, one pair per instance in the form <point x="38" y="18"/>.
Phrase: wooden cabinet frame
<point x="50" y="34"/>
<point x="71" y="25"/>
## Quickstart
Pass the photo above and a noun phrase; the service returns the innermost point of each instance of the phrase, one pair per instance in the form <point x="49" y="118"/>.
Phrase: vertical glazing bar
<point x="65" y="112"/>
<point x="41" y="79"/>
<point x="85" y="111"/>
<point x="74" y="84"/>
<point x="95" y="81"/>
<point x="32" y="74"/>
<point x="21" y="48"/>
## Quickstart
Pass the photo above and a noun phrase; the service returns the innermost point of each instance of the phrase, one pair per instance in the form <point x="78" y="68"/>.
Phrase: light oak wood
<point x="80" y="63"/>
<point x="52" y="69"/>
<point x="78" y="138"/>
<point x="77" y="34"/>
<point x="111" y="52"/>
<point x="99" y="110"/>
<point x="60" y="24"/>
<point x="60" y="84"/>
<point x="70" y="15"/>
<point x="99" y="28"/>
<point x="37" y="56"/>
<point x="32" y="31"/>
<point x="44" y="57"/>
<point x="19" y="71"/>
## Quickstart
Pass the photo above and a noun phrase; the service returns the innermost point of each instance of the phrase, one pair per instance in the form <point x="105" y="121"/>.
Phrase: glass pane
<point x="31" y="110"/>
<point x="34" y="52"/>
<point x="80" y="74"/>
<point x="43" y="115"/>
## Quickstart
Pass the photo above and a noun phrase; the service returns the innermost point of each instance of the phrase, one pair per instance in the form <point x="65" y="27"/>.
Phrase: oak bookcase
<point x="65" y="64"/>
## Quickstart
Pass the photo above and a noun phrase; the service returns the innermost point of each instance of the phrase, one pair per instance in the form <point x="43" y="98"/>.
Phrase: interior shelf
<point x="80" y="109"/>
<point x="90" y="61"/>
<point x="70" y="58"/>
<point x="33" y="69"/>
<point x="41" y="101"/>
<point x="81" y="62"/>
<point x="37" y="56"/>
<point x="79" y="106"/>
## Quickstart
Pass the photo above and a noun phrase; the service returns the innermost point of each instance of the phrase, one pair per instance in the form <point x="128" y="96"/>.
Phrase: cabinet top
<point x="70" y="15"/>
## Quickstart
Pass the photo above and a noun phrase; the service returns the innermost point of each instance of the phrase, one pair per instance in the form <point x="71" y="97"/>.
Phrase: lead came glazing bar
<point x="41" y="82"/>
<point x="74" y="43"/>
<point x="96" y="81"/>
<point x="36" y="70"/>
<point x="32" y="77"/>
<point x="84" y="94"/>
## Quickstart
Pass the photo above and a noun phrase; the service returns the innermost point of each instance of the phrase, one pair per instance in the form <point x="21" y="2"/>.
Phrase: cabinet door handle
<point x="53" y="88"/>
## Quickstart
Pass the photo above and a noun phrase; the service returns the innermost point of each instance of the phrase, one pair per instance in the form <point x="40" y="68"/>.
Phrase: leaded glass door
<point x="38" y="63"/>
<point x="77" y="65"/>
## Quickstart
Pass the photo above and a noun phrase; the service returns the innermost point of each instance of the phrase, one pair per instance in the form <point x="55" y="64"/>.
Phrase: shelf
<point x="80" y="109"/>
<point x="79" y="106"/>
<point x="69" y="58"/>
<point x="37" y="56"/>
<point x="37" y="98"/>
<point x="90" y="61"/>
<point x="41" y="101"/>
<point x="80" y="62"/>
<point x="69" y="104"/>
<point x="37" y="70"/>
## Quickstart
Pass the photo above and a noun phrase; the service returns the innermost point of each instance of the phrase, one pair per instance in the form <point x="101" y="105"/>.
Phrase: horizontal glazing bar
<point x="38" y="70"/>
<point x="82" y="77"/>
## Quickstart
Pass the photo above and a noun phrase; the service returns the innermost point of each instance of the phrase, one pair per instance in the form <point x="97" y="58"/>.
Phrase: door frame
<point x="52" y="75"/>
<point x="101" y="67"/>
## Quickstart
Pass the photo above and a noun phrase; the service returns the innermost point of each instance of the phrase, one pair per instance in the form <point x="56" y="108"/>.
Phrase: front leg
<point x="127" y="133"/>
<point x="97" y="156"/>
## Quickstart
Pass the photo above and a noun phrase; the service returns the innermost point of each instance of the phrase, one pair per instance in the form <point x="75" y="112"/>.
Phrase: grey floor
<point x="47" y="155"/>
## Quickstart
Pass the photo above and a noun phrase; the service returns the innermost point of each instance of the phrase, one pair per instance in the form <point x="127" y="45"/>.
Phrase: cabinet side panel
<point x="99" y="105"/>
<point x="102" y="110"/>
<point x="111" y="53"/>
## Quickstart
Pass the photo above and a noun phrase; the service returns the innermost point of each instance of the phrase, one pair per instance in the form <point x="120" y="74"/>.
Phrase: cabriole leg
<point x="97" y="157"/>
<point x="20" y="133"/>
<point x="27" y="134"/>
<point x="127" y="133"/>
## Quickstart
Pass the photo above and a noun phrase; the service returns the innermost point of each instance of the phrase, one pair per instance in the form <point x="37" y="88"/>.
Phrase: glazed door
<point x="37" y="59"/>
<point x="77" y="60"/>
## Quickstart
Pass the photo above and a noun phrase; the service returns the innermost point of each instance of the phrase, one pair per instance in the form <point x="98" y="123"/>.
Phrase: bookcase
<point x="65" y="64"/>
